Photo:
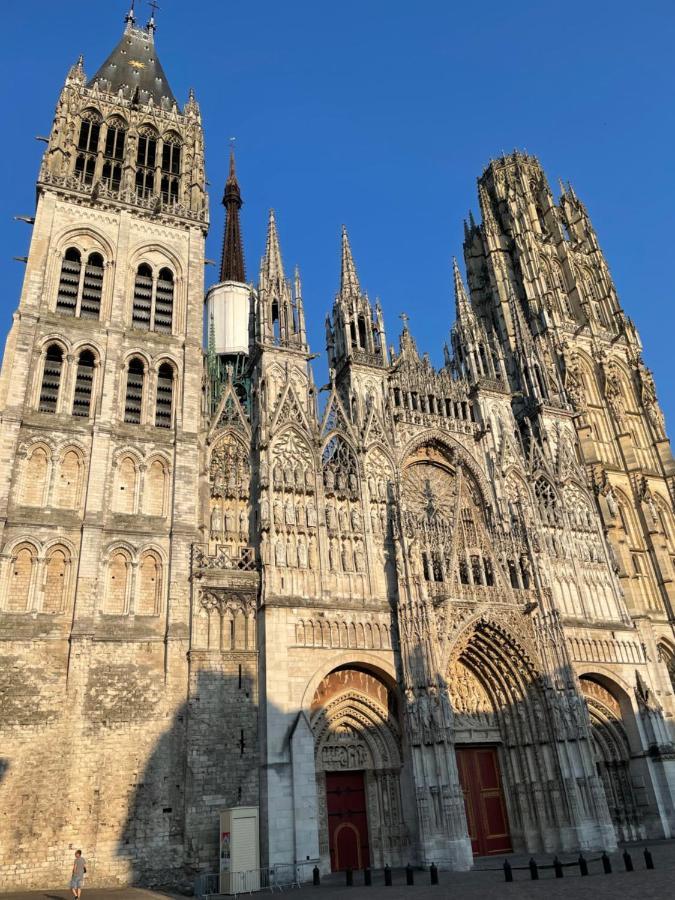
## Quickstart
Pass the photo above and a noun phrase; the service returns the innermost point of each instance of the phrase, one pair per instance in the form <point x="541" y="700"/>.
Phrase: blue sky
<point x="381" y="115"/>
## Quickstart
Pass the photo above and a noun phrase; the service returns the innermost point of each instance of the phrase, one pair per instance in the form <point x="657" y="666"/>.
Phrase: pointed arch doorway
<point x="357" y="750"/>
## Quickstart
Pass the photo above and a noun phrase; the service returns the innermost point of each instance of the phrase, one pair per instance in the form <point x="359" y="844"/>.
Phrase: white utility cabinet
<point x="239" y="850"/>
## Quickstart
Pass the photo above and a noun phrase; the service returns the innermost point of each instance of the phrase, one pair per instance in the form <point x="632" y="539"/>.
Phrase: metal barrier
<point x="270" y="878"/>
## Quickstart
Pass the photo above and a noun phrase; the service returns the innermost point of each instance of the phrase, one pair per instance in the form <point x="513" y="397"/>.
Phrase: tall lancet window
<point x="171" y="155"/>
<point x="84" y="384"/>
<point x="51" y="379"/>
<point x="69" y="282"/>
<point x="113" y="153"/>
<point x="163" y="318"/>
<point x="146" y="160"/>
<point x="92" y="287"/>
<point x="142" y="310"/>
<point x="164" y="405"/>
<point x="133" y="405"/>
<point x="87" y="146"/>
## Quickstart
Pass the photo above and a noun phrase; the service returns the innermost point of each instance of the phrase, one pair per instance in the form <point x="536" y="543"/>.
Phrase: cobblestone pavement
<point x="486" y="881"/>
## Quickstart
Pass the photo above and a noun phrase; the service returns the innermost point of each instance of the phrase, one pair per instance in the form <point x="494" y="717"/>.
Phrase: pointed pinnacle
<point x="272" y="264"/>
<point x="349" y="282"/>
<point x="461" y="299"/>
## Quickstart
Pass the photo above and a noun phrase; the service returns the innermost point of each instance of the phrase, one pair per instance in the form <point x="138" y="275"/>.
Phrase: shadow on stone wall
<point x="4" y="766"/>
<point x="206" y="761"/>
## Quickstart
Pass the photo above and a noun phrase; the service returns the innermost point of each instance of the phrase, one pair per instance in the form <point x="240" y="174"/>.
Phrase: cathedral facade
<point x="416" y="614"/>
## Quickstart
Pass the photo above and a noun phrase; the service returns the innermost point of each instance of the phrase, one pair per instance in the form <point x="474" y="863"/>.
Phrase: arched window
<point x="164" y="404"/>
<point x="117" y="584"/>
<point x="56" y="576"/>
<point x="362" y="332"/>
<point x="68" y="484"/>
<point x="154" y="489"/>
<point x="87" y="146"/>
<point x="149" y="586"/>
<point x="163" y="313"/>
<point x="35" y="478"/>
<point x="92" y="287"/>
<point x="20" y="579"/>
<point x="51" y="379"/>
<point x="114" y="154"/>
<point x="153" y="299"/>
<point x="84" y="384"/>
<point x="69" y="282"/>
<point x="125" y="486"/>
<point x="133" y="404"/>
<point x="80" y="292"/>
<point x="171" y="156"/>
<point x="146" y="160"/>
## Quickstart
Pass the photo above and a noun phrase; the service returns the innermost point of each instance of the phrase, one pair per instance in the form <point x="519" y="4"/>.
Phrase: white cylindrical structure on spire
<point x="228" y="308"/>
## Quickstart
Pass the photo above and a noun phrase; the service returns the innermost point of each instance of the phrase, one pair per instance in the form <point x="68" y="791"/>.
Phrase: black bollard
<point x="349" y="877"/>
<point x="316" y="876"/>
<point x="649" y="860"/>
<point x="433" y="874"/>
<point x="627" y="861"/>
<point x="583" y="865"/>
<point x="557" y="868"/>
<point x="508" y="871"/>
<point x="387" y="876"/>
<point x="409" y="877"/>
<point x="534" y="871"/>
<point x="367" y="876"/>
<point x="606" y="863"/>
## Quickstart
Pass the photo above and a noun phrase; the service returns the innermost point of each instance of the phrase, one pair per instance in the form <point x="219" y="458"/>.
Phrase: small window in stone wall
<point x="84" y="384"/>
<point x="133" y="401"/>
<point x="164" y="404"/>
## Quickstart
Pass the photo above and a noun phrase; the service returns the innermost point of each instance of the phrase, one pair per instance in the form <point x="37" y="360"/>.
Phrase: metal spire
<point x="232" y="260"/>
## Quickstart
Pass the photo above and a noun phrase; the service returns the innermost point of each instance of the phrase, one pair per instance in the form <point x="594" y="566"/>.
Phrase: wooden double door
<point x="484" y="800"/>
<point x="347" y="821"/>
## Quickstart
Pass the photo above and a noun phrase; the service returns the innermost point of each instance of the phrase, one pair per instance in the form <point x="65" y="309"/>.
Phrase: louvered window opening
<point x="164" y="301"/>
<point x="51" y="379"/>
<point x="84" y="384"/>
<point x="164" y="403"/>
<point x="145" y="165"/>
<point x="92" y="288"/>
<point x="69" y="282"/>
<point x="142" y="309"/>
<point x="134" y="395"/>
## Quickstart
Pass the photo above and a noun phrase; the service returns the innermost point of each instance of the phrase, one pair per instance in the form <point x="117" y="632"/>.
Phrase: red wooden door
<point x="484" y="800"/>
<point x="347" y="821"/>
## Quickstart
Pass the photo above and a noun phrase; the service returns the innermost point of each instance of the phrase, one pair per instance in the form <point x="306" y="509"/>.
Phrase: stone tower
<point x="100" y="393"/>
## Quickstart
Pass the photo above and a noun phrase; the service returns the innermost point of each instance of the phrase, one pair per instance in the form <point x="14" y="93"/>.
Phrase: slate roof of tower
<point x="132" y="65"/>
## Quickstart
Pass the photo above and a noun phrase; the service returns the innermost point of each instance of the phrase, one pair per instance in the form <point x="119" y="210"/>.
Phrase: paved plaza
<point x="485" y="881"/>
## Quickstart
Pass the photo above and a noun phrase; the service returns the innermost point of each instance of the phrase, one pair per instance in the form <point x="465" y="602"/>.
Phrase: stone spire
<point x="232" y="260"/>
<point x="464" y="310"/>
<point x="272" y="268"/>
<point x="349" y="282"/>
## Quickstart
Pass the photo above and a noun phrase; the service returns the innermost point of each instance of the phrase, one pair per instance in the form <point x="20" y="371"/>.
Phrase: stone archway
<point x="357" y="748"/>
<point x="611" y="745"/>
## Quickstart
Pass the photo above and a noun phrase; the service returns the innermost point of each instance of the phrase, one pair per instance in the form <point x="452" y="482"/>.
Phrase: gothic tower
<point x="101" y="401"/>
